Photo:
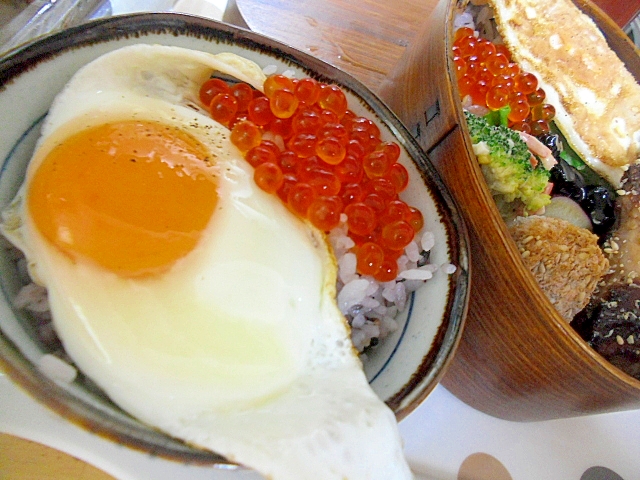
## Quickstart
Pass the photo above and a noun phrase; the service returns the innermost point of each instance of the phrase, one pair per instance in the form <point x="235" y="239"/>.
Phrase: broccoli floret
<point x="505" y="162"/>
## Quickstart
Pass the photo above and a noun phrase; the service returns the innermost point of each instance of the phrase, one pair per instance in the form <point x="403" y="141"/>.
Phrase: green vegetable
<point x="567" y="153"/>
<point x="498" y="117"/>
<point x="505" y="162"/>
<point x="572" y="158"/>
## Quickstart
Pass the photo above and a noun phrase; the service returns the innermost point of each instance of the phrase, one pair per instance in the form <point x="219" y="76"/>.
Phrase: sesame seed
<point x="620" y="340"/>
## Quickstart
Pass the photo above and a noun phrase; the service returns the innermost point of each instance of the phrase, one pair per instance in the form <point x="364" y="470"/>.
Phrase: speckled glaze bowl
<point x="518" y="359"/>
<point x="402" y="369"/>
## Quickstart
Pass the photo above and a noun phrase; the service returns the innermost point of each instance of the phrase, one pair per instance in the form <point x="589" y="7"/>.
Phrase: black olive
<point x="553" y="142"/>
<point x="567" y="181"/>
<point x="597" y="201"/>
<point x="600" y="206"/>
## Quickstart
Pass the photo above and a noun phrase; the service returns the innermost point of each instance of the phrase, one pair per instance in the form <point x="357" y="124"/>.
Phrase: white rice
<point x="57" y="369"/>
<point x="371" y="307"/>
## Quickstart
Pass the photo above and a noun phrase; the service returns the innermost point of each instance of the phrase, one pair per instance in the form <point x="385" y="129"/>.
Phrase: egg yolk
<point x="132" y="196"/>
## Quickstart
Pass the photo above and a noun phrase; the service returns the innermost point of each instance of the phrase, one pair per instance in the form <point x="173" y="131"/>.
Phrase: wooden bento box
<point x="518" y="359"/>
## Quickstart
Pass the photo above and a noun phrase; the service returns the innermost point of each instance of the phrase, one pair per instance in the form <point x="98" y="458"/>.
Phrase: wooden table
<point x="24" y="460"/>
<point x="362" y="37"/>
<point x="621" y="11"/>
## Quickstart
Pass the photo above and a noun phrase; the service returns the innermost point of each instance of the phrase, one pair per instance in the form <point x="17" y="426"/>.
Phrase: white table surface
<point x="439" y="436"/>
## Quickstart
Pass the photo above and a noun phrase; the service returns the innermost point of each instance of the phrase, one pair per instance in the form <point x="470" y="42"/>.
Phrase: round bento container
<point x="518" y="359"/>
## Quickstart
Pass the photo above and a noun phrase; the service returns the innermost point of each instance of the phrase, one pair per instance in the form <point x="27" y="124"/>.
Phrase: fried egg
<point x="196" y="301"/>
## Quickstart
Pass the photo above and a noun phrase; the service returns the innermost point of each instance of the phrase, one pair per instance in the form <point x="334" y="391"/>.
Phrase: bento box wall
<point x="518" y="359"/>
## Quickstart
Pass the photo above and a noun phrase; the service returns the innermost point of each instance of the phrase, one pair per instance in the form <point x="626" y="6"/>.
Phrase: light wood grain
<point x="364" y="38"/>
<point x="25" y="460"/>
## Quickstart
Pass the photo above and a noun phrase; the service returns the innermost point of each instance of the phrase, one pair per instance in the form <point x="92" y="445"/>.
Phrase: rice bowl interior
<point x="400" y="373"/>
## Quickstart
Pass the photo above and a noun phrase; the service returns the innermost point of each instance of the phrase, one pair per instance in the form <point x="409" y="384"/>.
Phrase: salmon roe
<point x="322" y="160"/>
<point x="487" y="75"/>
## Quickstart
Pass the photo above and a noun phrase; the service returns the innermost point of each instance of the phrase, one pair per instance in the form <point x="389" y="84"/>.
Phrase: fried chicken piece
<point x="612" y="327"/>
<point x="611" y="321"/>
<point x="623" y="246"/>
<point x="565" y="260"/>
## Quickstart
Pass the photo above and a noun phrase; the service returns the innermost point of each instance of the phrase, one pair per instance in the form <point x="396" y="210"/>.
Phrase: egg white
<point x="239" y="348"/>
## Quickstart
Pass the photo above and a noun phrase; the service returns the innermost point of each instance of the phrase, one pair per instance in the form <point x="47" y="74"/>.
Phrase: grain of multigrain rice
<point x="370" y="306"/>
<point x="57" y="369"/>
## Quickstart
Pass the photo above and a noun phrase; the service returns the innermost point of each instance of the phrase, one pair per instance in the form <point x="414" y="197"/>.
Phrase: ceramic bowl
<point x="402" y="369"/>
<point x="518" y="359"/>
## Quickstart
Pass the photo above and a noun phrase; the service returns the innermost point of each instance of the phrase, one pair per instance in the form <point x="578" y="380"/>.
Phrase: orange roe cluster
<point x="487" y="74"/>
<point x="330" y="161"/>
